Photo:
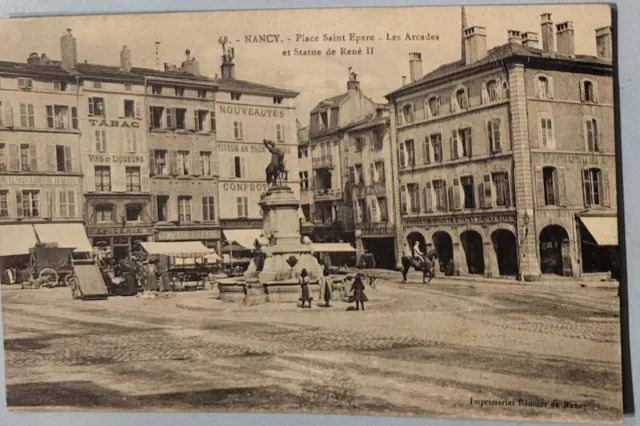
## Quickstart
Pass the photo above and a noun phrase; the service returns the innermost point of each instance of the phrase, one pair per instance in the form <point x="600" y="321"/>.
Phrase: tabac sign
<point x="113" y="123"/>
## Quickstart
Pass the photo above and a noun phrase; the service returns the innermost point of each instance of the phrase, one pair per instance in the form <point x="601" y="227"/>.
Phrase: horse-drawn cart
<point x="50" y="266"/>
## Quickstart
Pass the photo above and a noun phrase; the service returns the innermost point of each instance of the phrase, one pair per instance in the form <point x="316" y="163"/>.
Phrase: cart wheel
<point x="49" y="277"/>
<point x="70" y="279"/>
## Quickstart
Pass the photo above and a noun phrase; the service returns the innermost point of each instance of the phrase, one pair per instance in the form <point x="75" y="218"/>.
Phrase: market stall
<point x="188" y="262"/>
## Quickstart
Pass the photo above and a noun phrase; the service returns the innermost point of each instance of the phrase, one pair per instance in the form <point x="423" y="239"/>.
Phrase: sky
<point x="100" y="39"/>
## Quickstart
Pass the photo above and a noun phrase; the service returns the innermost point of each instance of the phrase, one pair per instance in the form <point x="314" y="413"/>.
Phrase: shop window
<point x="162" y="208"/>
<point x="134" y="212"/>
<point x="4" y="204"/>
<point x="104" y="213"/>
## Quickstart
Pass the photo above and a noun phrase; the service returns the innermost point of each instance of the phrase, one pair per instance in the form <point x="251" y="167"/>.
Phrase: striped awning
<point x="333" y="248"/>
<point x="179" y="249"/>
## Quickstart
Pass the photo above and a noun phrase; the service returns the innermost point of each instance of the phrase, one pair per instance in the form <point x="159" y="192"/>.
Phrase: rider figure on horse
<point x="417" y="253"/>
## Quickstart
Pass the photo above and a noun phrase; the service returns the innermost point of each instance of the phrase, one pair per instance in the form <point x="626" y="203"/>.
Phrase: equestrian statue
<point x="426" y="264"/>
<point x="276" y="169"/>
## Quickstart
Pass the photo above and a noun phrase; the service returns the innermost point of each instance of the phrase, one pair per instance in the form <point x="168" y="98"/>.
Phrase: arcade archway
<point x="555" y="257"/>
<point x="417" y="236"/>
<point x="505" y="245"/>
<point x="474" y="251"/>
<point x="443" y="245"/>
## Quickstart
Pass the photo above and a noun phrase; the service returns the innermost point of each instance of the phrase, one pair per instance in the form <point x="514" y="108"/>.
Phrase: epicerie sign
<point x="115" y="158"/>
<point x="252" y="111"/>
<point x="244" y="187"/>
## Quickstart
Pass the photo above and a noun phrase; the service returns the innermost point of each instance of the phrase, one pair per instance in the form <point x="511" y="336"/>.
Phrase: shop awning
<point x="245" y="237"/>
<point x="332" y="248"/>
<point x="603" y="229"/>
<point x="16" y="240"/>
<point x="65" y="235"/>
<point x="180" y="249"/>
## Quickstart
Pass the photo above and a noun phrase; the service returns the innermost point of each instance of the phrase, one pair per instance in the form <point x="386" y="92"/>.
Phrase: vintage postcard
<point x="376" y="211"/>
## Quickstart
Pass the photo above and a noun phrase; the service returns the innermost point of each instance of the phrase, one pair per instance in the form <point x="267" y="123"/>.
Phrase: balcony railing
<point x="329" y="193"/>
<point x="322" y="162"/>
<point x="378" y="189"/>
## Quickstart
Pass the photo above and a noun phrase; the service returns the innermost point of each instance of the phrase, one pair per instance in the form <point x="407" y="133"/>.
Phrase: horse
<point x="274" y="173"/>
<point x="426" y="267"/>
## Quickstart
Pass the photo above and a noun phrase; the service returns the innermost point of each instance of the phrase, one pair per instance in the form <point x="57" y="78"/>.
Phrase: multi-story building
<point x="372" y="187"/>
<point x="246" y="114"/>
<point x="332" y="209"/>
<point x="305" y="171"/>
<point x="506" y="158"/>
<point x="182" y="148"/>
<point x="40" y="167"/>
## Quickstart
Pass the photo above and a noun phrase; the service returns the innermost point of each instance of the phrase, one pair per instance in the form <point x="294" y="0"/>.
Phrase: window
<point x="3" y="157"/>
<point x="162" y="208"/>
<point x="379" y="171"/>
<point x="440" y="190"/>
<point x="25" y="83"/>
<point x="205" y="163"/>
<point x="63" y="158"/>
<point x="97" y="85"/>
<point x="129" y="108"/>
<point x="100" y="137"/>
<point x="182" y="162"/>
<point x="433" y="107"/>
<point x="57" y="117"/>
<point x="176" y="118"/>
<point x="235" y="96"/>
<point x="277" y="100"/>
<point x="493" y="130"/>
<point x="208" y="209"/>
<point x="96" y="107"/>
<point x="128" y="86"/>
<point x="304" y="180"/>
<point x="382" y="207"/>
<point x="202" y="94"/>
<point x="436" y="143"/>
<point x="468" y="192"/>
<point x="280" y="132"/>
<point x="200" y="117"/>
<point x="133" y="212"/>
<point x="67" y="203"/>
<point x="104" y="213"/>
<point x="60" y="85"/>
<point x="25" y="157"/>
<point x="324" y="119"/>
<point x="238" y="167"/>
<point x="160" y="162"/>
<point x="27" y="115"/>
<point x="492" y="91"/>
<point x="31" y="203"/>
<point x="414" y="197"/>
<point x="550" y="185"/>
<point x="359" y="143"/>
<point x="544" y="89"/>
<point x="361" y="210"/>
<point x="593" y="135"/>
<point x="184" y="208"/>
<point x="179" y="91"/>
<point x="155" y="117"/>
<point x="358" y="174"/>
<point x="378" y="139"/>
<point x="407" y="113"/>
<point x="131" y="140"/>
<point x="587" y="91"/>
<point x="501" y="184"/>
<point x="237" y="130"/>
<point x="243" y="206"/>
<point x="133" y="179"/>
<point x="74" y="117"/>
<point x="462" y="99"/>
<point x="411" y="152"/>
<point x="592" y="183"/>
<point x="461" y="143"/>
<point x="212" y="118"/>
<point x="156" y="89"/>
<point x="103" y="178"/>
<point x="4" y="204"/>
<point x="426" y="151"/>
<point x="546" y="132"/>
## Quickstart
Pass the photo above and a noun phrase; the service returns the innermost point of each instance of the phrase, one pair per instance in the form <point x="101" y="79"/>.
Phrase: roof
<point x="169" y="74"/>
<point x="372" y="123"/>
<point x="505" y="51"/>
<point x="303" y="135"/>
<point x="53" y="70"/>
<point x="334" y="100"/>
<point x="96" y="70"/>
<point x="232" y="84"/>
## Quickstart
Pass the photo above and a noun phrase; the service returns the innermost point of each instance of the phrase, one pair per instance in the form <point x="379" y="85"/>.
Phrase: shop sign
<point x="39" y="180"/>
<point x="241" y="223"/>
<point x="251" y="111"/>
<point x="137" y="230"/>
<point x="187" y="235"/>
<point x="245" y="187"/>
<point x="452" y="220"/>
<point x="249" y="148"/>
<point x="116" y="158"/>
<point x="114" y="123"/>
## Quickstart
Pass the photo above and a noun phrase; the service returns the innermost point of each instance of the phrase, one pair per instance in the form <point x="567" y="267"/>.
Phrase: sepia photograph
<point x="363" y="211"/>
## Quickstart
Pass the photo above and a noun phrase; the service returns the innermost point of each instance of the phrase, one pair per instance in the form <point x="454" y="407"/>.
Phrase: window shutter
<point x="489" y="128"/>
<point x="52" y="164"/>
<point x="485" y="94"/>
<point x="469" y="142"/>
<point x="562" y="187"/>
<point x="445" y="190"/>
<point x="539" y="179"/>
<point x="429" y="197"/>
<point x="550" y="85"/>
<point x="45" y="203"/>
<point x="507" y="189"/>
<point x="582" y="91"/>
<point x="196" y="163"/>
<point x="33" y="152"/>
<point x="68" y="163"/>
<point x="151" y="117"/>
<point x="456" y="194"/>
<point x="595" y="91"/>
<point x="121" y="108"/>
<point x="488" y="191"/>
<point x="173" y="209"/>
<point x="416" y="192"/>
<point x="154" y="208"/>
<point x="606" y="198"/>
<point x="152" y="162"/>
<point x="14" y="158"/>
<point x="454" y="145"/>
<point x="403" y="198"/>
<point x="600" y="136"/>
<point x="138" y="109"/>
<point x="71" y="198"/>
<point x="62" y="204"/>
<point x="144" y="182"/>
<point x="19" y="207"/>
<point x="481" y="201"/>
<point x="244" y="171"/>
<point x="7" y="109"/>
<point x="585" y="194"/>
<point x="50" y="123"/>
<point x="427" y="110"/>
<point x="212" y="119"/>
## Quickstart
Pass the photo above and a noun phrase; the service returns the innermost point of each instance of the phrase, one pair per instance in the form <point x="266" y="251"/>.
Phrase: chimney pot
<point x="566" y="42"/>
<point x="604" y="43"/>
<point x="530" y="39"/>
<point x="546" y="30"/>
<point x="514" y="36"/>
<point x="415" y="66"/>
<point x="475" y="44"/>
<point x="404" y="80"/>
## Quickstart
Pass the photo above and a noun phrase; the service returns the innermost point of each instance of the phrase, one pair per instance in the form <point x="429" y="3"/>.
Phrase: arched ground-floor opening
<point x="383" y="251"/>
<point x="505" y="246"/>
<point x="555" y="251"/>
<point x="474" y="251"/>
<point x="443" y="245"/>
<point x="417" y="236"/>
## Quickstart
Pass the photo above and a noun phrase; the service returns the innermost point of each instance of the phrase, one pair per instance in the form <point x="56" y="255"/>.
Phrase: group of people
<point x="125" y="276"/>
<point x="326" y="289"/>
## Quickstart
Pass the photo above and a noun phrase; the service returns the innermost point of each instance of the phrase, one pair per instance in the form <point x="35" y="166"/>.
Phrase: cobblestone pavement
<point x="417" y="350"/>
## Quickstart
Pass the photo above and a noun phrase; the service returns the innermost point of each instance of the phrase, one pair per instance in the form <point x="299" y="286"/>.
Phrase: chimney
<point x="530" y="39"/>
<point x="69" y="50"/>
<point x="475" y="44"/>
<point x="546" y="29"/>
<point x="353" y="85"/>
<point x="33" y="59"/>
<point x="604" y="43"/>
<point x="125" y="59"/>
<point x="404" y="80"/>
<point x="228" y="67"/>
<point x="566" y="43"/>
<point x="190" y="65"/>
<point x="514" y="36"/>
<point x="415" y="66"/>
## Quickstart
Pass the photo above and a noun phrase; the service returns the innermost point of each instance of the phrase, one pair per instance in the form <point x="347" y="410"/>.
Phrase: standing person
<point x="304" y="286"/>
<point x="326" y="291"/>
<point x="358" y="292"/>
<point x="163" y="274"/>
<point x="152" y="278"/>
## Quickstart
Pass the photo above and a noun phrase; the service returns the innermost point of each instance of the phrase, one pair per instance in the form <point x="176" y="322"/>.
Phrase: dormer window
<point x="25" y="83"/>
<point x="588" y="91"/>
<point x="97" y="85"/>
<point x="235" y="96"/>
<point x="492" y="90"/>
<point x="407" y="113"/>
<point x="324" y="119"/>
<point x="60" y="85"/>
<point x="462" y="99"/>
<point x="202" y="94"/>
<point x="179" y="91"/>
<point x="277" y="100"/>
<point x="156" y="89"/>
<point x="433" y="106"/>
<point x="359" y="143"/>
<point x="128" y="86"/>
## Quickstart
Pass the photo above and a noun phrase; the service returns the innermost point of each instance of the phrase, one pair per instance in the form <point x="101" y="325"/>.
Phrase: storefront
<point x="207" y="236"/>
<point x="599" y="249"/>
<point x="119" y="241"/>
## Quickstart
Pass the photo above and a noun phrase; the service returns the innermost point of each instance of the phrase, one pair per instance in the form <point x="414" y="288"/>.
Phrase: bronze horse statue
<point x="427" y="267"/>
<point x="276" y="169"/>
